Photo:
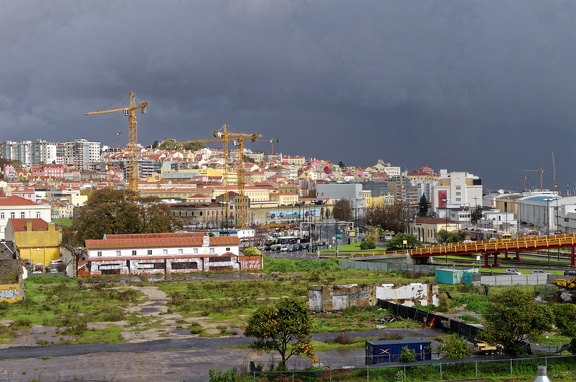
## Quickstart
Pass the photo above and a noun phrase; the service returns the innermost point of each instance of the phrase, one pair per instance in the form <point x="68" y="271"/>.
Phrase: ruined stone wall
<point x="338" y="297"/>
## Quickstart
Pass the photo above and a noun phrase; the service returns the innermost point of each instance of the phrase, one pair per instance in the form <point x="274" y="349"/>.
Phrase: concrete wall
<point x="338" y="297"/>
<point x="10" y="292"/>
<point x="506" y="280"/>
<point x="410" y="294"/>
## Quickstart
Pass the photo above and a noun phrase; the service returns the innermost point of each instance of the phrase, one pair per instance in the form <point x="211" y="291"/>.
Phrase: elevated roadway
<point x="487" y="248"/>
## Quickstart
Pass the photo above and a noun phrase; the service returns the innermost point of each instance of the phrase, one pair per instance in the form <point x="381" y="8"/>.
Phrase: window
<point x="99" y="253"/>
<point x="22" y="215"/>
<point x="165" y="251"/>
<point x="37" y="215"/>
<point x="133" y="252"/>
<point x="228" y="249"/>
<point x="12" y="215"/>
<point x="212" y="250"/>
<point x="149" y="252"/>
<point x="118" y="253"/>
<point x="2" y="217"/>
<point x="180" y="251"/>
<point x="195" y="250"/>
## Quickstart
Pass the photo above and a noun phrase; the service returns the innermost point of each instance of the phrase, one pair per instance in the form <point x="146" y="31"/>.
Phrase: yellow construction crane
<point x="541" y="171"/>
<point x="554" y="173"/>
<point x="523" y="177"/>
<point x="130" y="112"/>
<point x="271" y="141"/>
<point x="238" y="139"/>
<point x="225" y="136"/>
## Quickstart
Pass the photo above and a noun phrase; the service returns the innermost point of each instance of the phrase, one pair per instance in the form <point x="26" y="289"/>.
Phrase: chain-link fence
<point x="432" y="371"/>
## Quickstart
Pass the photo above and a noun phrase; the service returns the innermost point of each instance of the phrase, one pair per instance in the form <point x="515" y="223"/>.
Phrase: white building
<point x="16" y="207"/>
<point x="164" y="253"/>
<point x="43" y="152"/>
<point x="82" y="154"/>
<point x="456" y="189"/>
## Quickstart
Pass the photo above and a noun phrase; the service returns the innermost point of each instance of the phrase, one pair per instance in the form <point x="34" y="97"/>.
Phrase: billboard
<point x="442" y="198"/>
<point x="293" y="214"/>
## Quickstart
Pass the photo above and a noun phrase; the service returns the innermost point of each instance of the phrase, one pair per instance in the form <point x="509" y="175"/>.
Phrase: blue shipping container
<point x="389" y="351"/>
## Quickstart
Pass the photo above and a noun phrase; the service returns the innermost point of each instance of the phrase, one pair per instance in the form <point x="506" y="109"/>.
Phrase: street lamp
<point x="446" y="237"/>
<point x="547" y="216"/>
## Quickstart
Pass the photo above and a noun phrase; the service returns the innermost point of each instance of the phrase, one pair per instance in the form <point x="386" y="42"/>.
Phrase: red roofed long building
<point x="164" y="253"/>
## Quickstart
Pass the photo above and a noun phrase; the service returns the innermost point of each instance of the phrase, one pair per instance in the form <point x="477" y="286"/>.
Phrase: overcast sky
<point x="487" y="87"/>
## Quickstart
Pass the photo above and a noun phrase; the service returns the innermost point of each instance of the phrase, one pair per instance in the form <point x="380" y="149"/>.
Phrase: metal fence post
<point x="476" y="364"/>
<point x="441" y="378"/>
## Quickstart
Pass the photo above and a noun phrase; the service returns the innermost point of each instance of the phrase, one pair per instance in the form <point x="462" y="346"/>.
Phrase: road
<point x="164" y="360"/>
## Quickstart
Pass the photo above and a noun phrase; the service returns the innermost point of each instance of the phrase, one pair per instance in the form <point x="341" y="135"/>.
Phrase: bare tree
<point x="342" y="210"/>
<point x="387" y="217"/>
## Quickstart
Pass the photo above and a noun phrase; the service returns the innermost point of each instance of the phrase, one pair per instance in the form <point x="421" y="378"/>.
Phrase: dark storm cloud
<point x="480" y="86"/>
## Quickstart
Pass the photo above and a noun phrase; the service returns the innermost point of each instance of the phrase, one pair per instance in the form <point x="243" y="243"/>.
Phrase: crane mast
<point x="130" y="112"/>
<point x="541" y="171"/>
<point x="555" y="185"/>
<point x="271" y="141"/>
<point x="225" y="136"/>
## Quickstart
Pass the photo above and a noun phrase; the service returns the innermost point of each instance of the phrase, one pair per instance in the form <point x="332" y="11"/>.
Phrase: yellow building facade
<point x="35" y="239"/>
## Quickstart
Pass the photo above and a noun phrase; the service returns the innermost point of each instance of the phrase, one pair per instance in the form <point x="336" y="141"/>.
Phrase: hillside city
<point x="276" y="187"/>
<point x="259" y="192"/>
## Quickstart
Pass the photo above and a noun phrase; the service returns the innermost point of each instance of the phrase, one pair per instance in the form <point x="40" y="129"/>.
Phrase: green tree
<point x="565" y="321"/>
<point x="407" y="355"/>
<point x="251" y="251"/>
<point x="170" y="144"/>
<point x="155" y="144"/>
<point x="423" y="206"/>
<point x="397" y="242"/>
<point x="120" y="211"/>
<point x="193" y="145"/>
<point x="514" y="317"/>
<point x="444" y="236"/>
<point x="284" y="327"/>
<point x="342" y="210"/>
<point x="454" y="346"/>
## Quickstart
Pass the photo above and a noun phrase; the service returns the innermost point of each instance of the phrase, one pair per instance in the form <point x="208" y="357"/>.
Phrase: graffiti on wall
<point x="10" y="293"/>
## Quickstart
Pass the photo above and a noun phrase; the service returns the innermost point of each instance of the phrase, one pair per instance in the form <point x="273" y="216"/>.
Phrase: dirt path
<point x="160" y="321"/>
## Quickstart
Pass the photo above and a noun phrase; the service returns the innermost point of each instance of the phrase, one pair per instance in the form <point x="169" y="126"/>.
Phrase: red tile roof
<point x="153" y="235"/>
<point x="169" y="242"/>
<point x="11" y="200"/>
<point x="19" y="225"/>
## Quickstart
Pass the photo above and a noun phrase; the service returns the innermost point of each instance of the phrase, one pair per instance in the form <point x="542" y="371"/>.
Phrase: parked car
<point x="284" y="248"/>
<point x="512" y="272"/>
<point x="538" y="272"/>
<point x="570" y="272"/>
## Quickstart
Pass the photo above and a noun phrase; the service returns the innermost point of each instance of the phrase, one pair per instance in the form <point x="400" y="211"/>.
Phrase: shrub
<point x="407" y="355"/>
<point x="344" y="339"/>
<point x="368" y="244"/>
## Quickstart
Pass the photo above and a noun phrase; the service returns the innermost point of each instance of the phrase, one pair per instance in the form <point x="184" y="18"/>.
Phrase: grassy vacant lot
<point x="231" y="302"/>
<point x="214" y="305"/>
<point x="72" y="306"/>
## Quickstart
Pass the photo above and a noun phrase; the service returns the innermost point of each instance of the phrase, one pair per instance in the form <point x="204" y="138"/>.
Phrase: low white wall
<point x="505" y="280"/>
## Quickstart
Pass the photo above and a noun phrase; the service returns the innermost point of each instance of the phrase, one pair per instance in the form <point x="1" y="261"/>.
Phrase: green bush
<point x="407" y="355"/>
<point x="368" y="244"/>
